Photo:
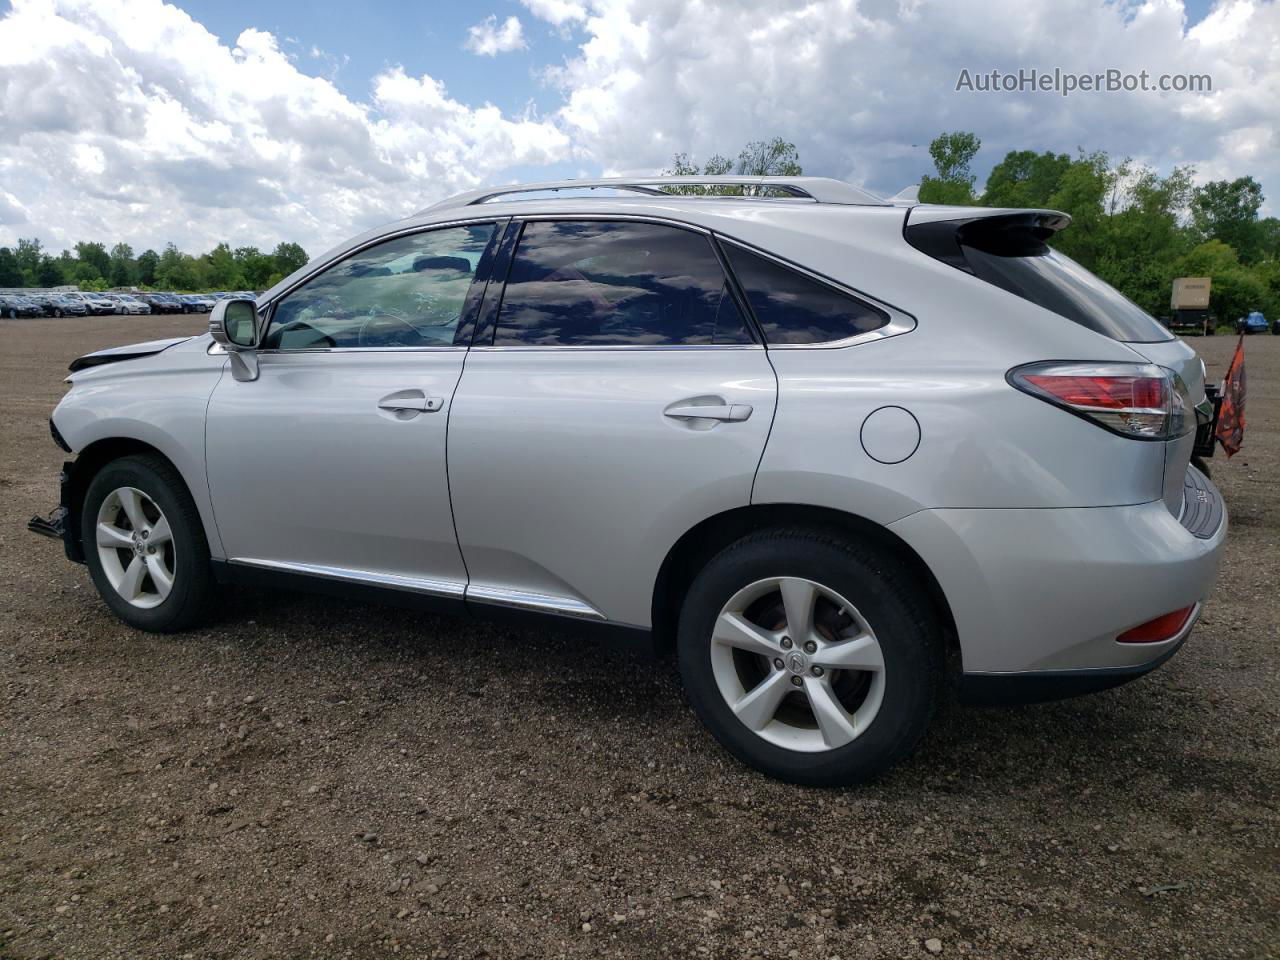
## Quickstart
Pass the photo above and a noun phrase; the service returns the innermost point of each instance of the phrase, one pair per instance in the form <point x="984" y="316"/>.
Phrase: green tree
<point x="28" y="255"/>
<point x="289" y="257"/>
<point x="257" y="267"/>
<point x="95" y="256"/>
<point x="1025" y="178"/>
<point x="124" y="271"/>
<point x="177" y="270"/>
<point x="10" y="271"/>
<point x="148" y="263"/>
<point x="49" y="272"/>
<point x="222" y="269"/>
<point x="1227" y="210"/>
<point x="952" y="154"/>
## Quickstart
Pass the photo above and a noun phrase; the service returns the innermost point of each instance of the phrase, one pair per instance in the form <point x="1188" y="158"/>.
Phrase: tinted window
<point x="1056" y="282"/>
<point x="406" y="292"/>
<point x="597" y="283"/>
<point x="793" y="308"/>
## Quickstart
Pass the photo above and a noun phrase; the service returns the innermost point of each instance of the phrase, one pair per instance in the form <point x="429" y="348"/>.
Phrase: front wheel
<point x="815" y="660"/>
<point x="145" y="545"/>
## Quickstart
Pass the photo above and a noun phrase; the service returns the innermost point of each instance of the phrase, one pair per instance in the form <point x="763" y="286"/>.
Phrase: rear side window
<point x="794" y="308"/>
<point x="1011" y="252"/>
<point x="602" y="283"/>
<point x="1056" y="282"/>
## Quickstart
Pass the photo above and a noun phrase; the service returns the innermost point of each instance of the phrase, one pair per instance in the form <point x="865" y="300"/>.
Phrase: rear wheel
<point x="145" y="545"/>
<point x="814" y="660"/>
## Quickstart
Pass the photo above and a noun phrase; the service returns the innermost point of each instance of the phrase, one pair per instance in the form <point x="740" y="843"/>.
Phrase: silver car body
<point x="565" y="487"/>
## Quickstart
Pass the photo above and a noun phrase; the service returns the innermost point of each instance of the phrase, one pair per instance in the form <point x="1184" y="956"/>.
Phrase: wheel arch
<point x="86" y="466"/>
<point x="707" y="538"/>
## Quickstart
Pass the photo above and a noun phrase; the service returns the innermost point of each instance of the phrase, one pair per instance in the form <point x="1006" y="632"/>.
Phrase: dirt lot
<point x="309" y="778"/>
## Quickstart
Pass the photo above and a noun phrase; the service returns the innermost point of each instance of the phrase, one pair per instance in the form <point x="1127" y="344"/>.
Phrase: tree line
<point x="1132" y="227"/>
<point x="92" y="266"/>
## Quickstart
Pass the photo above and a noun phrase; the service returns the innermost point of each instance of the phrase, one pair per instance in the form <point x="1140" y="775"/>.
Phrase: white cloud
<point x="126" y="119"/>
<point x="861" y="88"/>
<point x="557" y="12"/>
<point x="488" y="38"/>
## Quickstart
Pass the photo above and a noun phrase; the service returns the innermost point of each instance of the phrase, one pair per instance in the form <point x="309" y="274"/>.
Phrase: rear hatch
<point x="1010" y="249"/>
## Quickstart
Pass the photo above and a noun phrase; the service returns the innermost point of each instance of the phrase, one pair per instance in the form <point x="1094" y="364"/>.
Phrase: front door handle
<point x="728" y="412"/>
<point x="410" y="401"/>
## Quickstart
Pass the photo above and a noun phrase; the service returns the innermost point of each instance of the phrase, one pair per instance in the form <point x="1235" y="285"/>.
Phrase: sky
<point x="204" y="121"/>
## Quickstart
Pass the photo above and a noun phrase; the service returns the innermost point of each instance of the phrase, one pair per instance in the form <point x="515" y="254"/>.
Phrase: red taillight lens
<point x="1139" y="400"/>
<point x="1106" y="393"/>
<point x="1160" y="629"/>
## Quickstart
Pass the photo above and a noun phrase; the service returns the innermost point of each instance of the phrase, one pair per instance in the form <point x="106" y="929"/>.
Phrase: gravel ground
<point x="314" y="778"/>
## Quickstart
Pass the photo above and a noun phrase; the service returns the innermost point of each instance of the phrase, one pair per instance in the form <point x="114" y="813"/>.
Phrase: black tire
<point x="193" y="588"/>
<point x="13" y="314"/>
<point x="57" y="313"/>
<point x="885" y="593"/>
<point x="1199" y="464"/>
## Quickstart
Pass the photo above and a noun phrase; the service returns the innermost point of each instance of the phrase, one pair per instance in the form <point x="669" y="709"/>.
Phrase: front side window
<point x="794" y="308"/>
<point x="406" y="292"/>
<point x="603" y="283"/>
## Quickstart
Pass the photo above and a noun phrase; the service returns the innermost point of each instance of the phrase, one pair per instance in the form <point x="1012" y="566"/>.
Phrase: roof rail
<point x="817" y="189"/>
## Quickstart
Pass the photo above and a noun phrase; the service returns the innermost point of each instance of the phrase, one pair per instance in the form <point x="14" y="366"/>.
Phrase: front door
<point x="332" y="462"/>
<point x="618" y="399"/>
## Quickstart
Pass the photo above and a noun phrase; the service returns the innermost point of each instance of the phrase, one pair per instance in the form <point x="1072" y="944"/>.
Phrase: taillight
<point x="1139" y="400"/>
<point x="1160" y="629"/>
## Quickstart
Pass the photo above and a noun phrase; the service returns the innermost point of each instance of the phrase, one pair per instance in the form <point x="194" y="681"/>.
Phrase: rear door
<point x="613" y="398"/>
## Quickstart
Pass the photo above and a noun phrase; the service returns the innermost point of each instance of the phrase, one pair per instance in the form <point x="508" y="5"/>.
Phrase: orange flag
<point x="1230" y="431"/>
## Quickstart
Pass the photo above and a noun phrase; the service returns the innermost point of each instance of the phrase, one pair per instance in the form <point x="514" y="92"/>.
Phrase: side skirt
<point x="623" y="636"/>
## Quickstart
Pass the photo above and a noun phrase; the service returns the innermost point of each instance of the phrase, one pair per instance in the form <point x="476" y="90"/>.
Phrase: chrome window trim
<point x="322" y="350"/>
<point x="526" y="600"/>
<point x="900" y="321"/>
<point x="432" y="587"/>
<point x="535" y="348"/>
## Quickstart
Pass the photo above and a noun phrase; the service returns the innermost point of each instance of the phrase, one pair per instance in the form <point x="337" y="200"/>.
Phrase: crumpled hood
<point x="130" y="352"/>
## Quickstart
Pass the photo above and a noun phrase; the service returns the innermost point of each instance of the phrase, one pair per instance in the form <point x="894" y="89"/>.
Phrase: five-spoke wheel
<point x="135" y="547"/>
<point x="813" y="657"/>
<point x="797" y="663"/>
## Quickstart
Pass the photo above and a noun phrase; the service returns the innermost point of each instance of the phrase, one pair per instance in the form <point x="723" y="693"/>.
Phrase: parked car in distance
<point x="15" y="305"/>
<point x="1254" y="322"/>
<point x="197" y="302"/>
<point x="60" y="305"/>
<point x="128" y="304"/>
<point x="826" y="448"/>
<point x="156" y="302"/>
<point x="98" y="304"/>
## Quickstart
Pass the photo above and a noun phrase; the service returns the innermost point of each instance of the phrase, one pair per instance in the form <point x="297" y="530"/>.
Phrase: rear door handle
<point x="728" y="412"/>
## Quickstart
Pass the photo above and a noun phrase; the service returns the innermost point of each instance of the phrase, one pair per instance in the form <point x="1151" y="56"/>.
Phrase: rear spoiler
<point x="942" y="232"/>
<point x="131" y="352"/>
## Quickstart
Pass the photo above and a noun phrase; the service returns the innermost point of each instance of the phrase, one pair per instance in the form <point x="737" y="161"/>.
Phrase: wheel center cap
<point x="796" y="662"/>
<point x="138" y="545"/>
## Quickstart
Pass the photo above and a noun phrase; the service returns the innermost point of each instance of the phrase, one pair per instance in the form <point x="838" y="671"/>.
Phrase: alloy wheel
<point x="798" y="664"/>
<point x="135" y="546"/>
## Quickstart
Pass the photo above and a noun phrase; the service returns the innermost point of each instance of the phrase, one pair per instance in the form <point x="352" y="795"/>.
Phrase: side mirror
<point x="233" y="323"/>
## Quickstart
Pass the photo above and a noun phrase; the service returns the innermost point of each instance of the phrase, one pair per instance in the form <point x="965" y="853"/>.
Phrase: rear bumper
<point x="1047" y="591"/>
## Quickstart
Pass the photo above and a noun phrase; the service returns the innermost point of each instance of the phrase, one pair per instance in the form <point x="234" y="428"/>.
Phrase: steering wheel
<point x="388" y="330"/>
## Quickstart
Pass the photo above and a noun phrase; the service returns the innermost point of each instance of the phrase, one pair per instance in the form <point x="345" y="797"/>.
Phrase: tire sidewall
<point x="191" y="553"/>
<point x="911" y="654"/>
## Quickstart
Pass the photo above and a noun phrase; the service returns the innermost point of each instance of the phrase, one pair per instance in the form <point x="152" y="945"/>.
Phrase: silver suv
<point x="826" y="446"/>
